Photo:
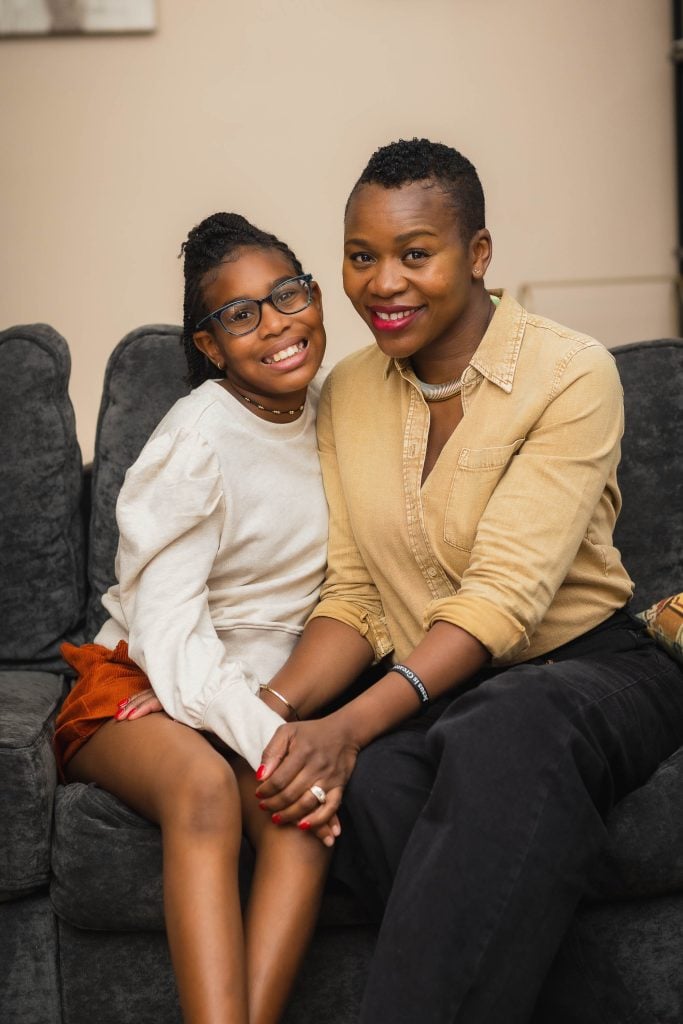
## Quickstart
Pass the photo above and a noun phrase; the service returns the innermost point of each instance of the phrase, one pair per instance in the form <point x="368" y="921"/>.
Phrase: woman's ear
<point x="317" y="298"/>
<point x="481" y="249"/>
<point x="208" y="347"/>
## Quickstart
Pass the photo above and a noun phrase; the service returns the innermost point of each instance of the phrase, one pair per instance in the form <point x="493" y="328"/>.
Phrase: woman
<point x="469" y="461"/>
<point x="223" y="529"/>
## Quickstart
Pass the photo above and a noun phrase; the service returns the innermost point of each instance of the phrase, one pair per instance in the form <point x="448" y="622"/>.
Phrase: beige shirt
<point x="510" y="535"/>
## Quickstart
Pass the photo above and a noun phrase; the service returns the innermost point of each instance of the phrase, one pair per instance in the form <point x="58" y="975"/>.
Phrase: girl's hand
<point x="327" y="833"/>
<point x="145" y="703"/>
<point x="301" y="755"/>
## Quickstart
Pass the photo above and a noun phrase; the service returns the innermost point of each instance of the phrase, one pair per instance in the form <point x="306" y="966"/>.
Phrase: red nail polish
<point x="263" y="807"/>
<point x="261" y="772"/>
<point x="132" y="712"/>
<point x="122" y="703"/>
<point x="276" y="819"/>
<point x="304" y="825"/>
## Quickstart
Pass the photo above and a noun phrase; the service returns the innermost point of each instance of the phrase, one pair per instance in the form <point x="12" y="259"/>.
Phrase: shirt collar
<point x="498" y="351"/>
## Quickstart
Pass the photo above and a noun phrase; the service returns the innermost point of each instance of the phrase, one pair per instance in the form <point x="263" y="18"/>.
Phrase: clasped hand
<point x="301" y="755"/>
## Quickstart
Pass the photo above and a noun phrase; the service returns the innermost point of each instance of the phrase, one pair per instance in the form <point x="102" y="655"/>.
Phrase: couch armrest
<point x="28" y="777"/>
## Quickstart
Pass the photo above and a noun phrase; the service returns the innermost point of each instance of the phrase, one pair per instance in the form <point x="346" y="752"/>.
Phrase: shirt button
<point x="432" y="572"/>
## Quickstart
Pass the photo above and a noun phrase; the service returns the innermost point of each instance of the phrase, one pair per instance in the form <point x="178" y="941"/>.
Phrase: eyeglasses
<point x="244" y="315"/>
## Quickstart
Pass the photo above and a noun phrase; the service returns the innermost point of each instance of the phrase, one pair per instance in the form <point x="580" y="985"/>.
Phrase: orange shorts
<point x="105" y="678"/>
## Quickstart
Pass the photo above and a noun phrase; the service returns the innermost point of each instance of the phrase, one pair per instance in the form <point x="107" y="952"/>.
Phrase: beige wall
<point x="114" y="147"/>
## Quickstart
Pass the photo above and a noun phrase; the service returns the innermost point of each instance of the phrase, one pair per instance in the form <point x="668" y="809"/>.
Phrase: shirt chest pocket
<point x="476" y="477"/>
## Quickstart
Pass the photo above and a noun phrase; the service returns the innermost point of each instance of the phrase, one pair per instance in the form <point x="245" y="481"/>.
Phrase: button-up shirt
<point x="510" y="534"/>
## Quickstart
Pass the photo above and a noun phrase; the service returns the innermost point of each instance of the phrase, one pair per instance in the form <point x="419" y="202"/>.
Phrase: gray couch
<point x="81" y="921"/>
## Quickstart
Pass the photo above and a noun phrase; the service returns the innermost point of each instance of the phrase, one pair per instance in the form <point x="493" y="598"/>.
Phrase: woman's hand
<point x="304" y="754"/>
<point x="145" y="703"/>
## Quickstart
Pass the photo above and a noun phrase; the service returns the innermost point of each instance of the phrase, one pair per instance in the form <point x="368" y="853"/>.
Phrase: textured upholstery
<point x="29" y="974"/>
<point x="106" y="861"/>
<point x="620" y="964"/>
<point x="644" y="853"/>
<point x="649" y="531"/>
<point x="116" y="977"/>
<point x="28" y="777"/>
<point x="144" y="377"/>
<point x="41" y="541"/>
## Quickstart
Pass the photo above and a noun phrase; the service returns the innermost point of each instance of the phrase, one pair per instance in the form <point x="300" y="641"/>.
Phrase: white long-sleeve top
<point x="222" y="549"/>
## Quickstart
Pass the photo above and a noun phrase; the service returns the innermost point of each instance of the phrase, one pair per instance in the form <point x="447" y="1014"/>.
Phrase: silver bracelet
<point x="269" y="689"/>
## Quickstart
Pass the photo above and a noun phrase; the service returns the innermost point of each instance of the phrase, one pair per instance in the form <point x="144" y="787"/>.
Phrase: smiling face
<point x="409" y="274"/>
<point x="276" y="362"/>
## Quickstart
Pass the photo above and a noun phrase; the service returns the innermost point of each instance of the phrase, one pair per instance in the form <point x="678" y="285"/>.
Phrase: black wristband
<point x="415" y="682"/>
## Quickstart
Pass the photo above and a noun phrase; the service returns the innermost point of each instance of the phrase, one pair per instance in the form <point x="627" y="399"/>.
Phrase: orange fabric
<point x="105" y="679"/>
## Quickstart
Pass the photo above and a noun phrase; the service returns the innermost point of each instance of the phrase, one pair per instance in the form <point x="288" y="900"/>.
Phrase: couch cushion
<point x="620" y="963"/>
<point x="649" y="531"/>
<point x="30" y="988"/>
<point x="28" y="777"/>
<point x="126" y="978"/>
<point x="644" y="853"/>
<point x="106" y="863"/>
<point x="42" y="548"/>
<point x="144" y="377"/>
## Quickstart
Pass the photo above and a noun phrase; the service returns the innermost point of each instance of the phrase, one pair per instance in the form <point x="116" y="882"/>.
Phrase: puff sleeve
<point x="171" y="515"/>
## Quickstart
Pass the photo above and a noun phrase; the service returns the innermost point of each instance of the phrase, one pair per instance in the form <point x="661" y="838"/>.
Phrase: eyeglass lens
<point x="244" y="316"/>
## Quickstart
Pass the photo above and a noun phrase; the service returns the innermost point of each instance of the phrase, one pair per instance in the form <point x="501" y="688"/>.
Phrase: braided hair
<point x="217" y="239"/>
<point x="403" y="162"/>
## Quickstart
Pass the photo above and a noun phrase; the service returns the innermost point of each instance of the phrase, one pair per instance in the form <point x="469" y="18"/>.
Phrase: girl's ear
<point x="208" y="347"/>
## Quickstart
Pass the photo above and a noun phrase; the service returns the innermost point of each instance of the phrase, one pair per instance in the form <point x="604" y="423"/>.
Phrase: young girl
<point x="223" y="529"/>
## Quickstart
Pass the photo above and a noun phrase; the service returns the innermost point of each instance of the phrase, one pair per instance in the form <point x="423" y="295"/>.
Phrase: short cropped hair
<point x="403" y="162"/>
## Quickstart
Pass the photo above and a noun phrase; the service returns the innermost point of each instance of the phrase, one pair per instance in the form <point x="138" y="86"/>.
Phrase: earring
<point x="476" y="272"/>
<point x="220" y="366"/>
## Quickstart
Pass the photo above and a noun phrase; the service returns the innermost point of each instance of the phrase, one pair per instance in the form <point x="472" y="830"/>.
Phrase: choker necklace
<point x="275" y="412"/>
<point x="439" y="392"/>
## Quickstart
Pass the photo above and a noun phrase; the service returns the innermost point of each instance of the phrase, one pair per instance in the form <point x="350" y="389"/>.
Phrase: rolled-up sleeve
<point x="171" y="515"/>
<point x="538" y="515"/>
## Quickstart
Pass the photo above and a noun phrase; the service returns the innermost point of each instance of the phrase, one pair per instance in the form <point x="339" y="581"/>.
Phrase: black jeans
<point x="479" y="830"/>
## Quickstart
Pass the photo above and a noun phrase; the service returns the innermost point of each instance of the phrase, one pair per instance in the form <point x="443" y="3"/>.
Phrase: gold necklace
<point x="275" y="412"/>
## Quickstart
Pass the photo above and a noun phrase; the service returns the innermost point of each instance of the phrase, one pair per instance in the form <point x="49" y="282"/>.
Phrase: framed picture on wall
<point x="75" y="17"/>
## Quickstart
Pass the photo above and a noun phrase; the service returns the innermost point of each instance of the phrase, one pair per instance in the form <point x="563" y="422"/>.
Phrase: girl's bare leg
<point x="171" y="775"/>
<point x="291" y="867"/>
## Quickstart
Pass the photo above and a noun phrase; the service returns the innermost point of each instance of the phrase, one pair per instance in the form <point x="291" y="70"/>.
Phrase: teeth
<point x="395" y="316"/>
<point x="286" y="353"/>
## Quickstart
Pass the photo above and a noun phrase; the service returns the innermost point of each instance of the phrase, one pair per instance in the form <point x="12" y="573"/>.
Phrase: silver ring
<point x="319" y="793"/>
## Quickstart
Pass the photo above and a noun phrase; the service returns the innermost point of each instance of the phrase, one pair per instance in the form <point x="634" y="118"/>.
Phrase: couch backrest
<point x="144" y="377"/>
<point x="649" y="531"/>
<point x="42" y="572"/>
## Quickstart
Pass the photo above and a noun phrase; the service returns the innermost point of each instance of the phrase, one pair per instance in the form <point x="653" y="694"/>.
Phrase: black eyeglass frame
<point x="217" y="313"/>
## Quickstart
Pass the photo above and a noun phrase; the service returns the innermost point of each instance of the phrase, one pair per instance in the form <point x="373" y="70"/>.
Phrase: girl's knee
<point x="205" y="799"/>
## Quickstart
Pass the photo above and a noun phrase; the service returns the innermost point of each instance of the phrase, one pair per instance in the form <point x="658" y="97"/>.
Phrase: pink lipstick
<point x="393" y="318"/>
